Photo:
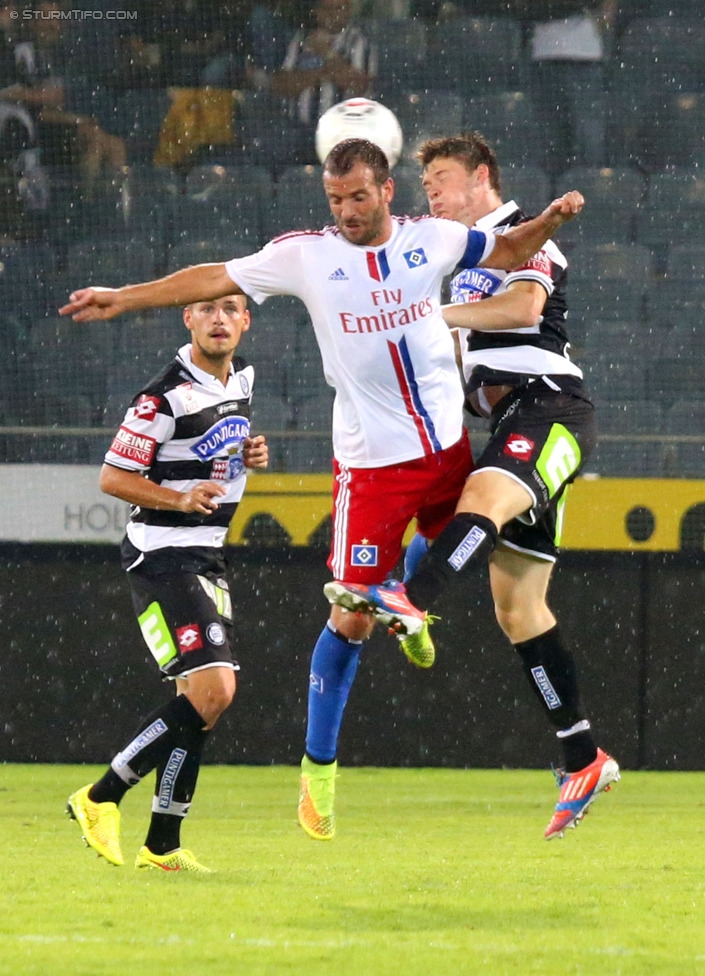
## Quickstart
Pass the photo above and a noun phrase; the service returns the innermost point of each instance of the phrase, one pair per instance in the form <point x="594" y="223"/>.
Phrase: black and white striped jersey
<point x="184" y="427"/>
<point x="541" y="349"/>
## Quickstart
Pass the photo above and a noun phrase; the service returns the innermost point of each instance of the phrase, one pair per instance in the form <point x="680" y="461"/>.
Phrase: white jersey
<point x="376" y="313"/>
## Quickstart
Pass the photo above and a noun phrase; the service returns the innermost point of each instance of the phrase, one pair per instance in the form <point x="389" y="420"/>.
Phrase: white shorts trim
<point x="529" y="516"/>
<point x="203" y="667"/>
<point x="543" y="556"/>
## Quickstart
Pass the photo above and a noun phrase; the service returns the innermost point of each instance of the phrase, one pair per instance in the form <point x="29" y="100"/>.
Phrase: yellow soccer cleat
<point x="100" y="823"/>
<point x="419" y="648"/>
<point x="178" y="860"/>
<point x="317" y="799"/>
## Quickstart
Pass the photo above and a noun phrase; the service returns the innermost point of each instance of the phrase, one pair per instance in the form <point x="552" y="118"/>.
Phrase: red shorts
<point x="372" y="508"/>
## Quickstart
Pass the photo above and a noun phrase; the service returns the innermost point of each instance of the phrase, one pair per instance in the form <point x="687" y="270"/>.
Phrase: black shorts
<point x="186" y="620"/>
<point x="541" y="438"/>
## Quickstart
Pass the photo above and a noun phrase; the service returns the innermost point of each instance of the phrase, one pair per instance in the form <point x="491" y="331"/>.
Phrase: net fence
<point x="136" y="141"/>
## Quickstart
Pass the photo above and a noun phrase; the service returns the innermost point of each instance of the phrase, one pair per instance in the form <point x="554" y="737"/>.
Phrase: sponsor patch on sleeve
<point x="139" y="448"/>
<point x="539" y="262"/>
<point x="146" y="407"/>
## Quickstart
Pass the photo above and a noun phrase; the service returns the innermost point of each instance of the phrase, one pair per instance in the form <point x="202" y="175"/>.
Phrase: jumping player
<point x="371" y="284"/>
<point x="514" y="351"/>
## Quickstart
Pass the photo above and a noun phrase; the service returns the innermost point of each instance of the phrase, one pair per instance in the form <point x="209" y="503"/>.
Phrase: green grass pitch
<point x="433" y="872"/>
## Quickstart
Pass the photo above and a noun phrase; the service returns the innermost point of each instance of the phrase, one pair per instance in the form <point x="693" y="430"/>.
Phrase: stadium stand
<point x="637" y="254"/>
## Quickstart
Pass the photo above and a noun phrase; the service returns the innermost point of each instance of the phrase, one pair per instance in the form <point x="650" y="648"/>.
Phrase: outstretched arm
<point x="196" y="284"/>
<point x="520" y="243"/>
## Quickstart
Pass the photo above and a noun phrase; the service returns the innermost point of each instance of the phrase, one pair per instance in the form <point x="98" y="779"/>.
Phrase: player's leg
<point x="539" y="440"/>
<point x="520" y="574"/>
<point x="437" y="482"/>
<point x="186" y="621"/>
<point x="368" y="526"/>
<point x="205" y="678"/>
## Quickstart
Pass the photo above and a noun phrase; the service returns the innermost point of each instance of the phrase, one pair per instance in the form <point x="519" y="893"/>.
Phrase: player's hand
<point x="91" y="304"/>
<point x="202" y="498"/>
<point x="255" y="452"/>
<point x="565" y="207"/>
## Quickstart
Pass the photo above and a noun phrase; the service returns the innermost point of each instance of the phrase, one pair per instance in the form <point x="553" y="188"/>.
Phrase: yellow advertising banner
<point x="628" y="514"/>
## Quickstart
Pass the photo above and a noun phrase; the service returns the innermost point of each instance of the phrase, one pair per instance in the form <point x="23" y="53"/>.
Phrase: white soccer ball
<point x="359" y="118"/>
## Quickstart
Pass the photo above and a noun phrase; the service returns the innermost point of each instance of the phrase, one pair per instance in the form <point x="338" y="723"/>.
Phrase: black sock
<point x="152" y="744"/>
<point x="175" y="785"/>
<point x="465" y="543"/>
<point x="550" y="669"/>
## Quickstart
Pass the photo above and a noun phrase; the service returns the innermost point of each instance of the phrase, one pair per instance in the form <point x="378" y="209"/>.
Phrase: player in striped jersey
<point x="372" y="287"/>
<point x="514" y="353"/>
<point x="180" y="458"/>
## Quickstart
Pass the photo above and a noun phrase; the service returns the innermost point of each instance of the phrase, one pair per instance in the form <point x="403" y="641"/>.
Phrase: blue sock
<point x="416" y="549"/>
<point x="333" y="667"/>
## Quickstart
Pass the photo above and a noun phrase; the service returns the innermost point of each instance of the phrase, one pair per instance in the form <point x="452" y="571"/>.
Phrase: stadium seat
<point x="206" y="251"/>
<point x="309" y="445"/>
<point x="401" y="55"/>
<point x="612" y="194"/>
<point x="529" y="186"/>
<point x="608" y="377"/>
<point x="662" y="52"/>
<point x="674" y="129"/>
<point x="473" y="55"/>
<point x="267" y="136"/>
<point x="686" y="261"/>
<point x="300" y="203"/>
<point x="507" y="119"/>
<point x="223" y="202"/>
<point x="26" y="276"/>
<point x="630" y="440"/>
<point x="674" y="210"/>
<point x="409" y="196"/>
<point x="671" y="378"/>
<point x="607" y="281"/>
<point x="110" y="263"/>
<point x="685" y="422"/>
<point x="138" y="117"/>
<point x="424" y="114"/>
<point x="677" y="303"/>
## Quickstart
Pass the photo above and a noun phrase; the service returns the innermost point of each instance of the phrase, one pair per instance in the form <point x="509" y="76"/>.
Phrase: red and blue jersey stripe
<point x="404" y="368"/>
<point x="377" y="265"/>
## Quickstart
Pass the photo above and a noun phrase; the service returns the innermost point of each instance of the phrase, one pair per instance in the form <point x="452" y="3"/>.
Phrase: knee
<point x="510" y="619"/>
<point x="212" y="701"/>
<point x="521" y="622"/>
<point x="354" y="626"/>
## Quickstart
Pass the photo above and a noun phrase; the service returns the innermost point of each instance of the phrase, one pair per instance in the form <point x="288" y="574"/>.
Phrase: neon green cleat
<point x="100" y="823"/>
<point x="178" y="860"/>
<point x="419" y="648"/>
<point x="317" y="798"/>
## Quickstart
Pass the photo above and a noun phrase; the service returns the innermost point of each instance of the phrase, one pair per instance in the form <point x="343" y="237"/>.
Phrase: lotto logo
<point x="146" y="407"/>
<point x="519" y="447"/>
<point x="189" y="638"/>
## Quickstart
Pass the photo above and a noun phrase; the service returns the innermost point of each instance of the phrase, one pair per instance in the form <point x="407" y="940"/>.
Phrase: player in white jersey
<point x="514" y="350"/>
<point x="372" y="288"/>
<point x="180" y="459"/>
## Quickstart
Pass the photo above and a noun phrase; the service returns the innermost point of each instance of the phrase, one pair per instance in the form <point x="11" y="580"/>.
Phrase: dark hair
<point x="343" y="156"/>
<point x="470" y="148"/>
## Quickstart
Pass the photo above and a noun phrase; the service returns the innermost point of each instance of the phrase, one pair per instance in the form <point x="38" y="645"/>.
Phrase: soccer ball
<point x="359" y="118"/>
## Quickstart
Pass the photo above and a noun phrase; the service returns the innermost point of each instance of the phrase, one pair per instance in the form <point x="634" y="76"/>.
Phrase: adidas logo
<point x="338" y="275"/>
